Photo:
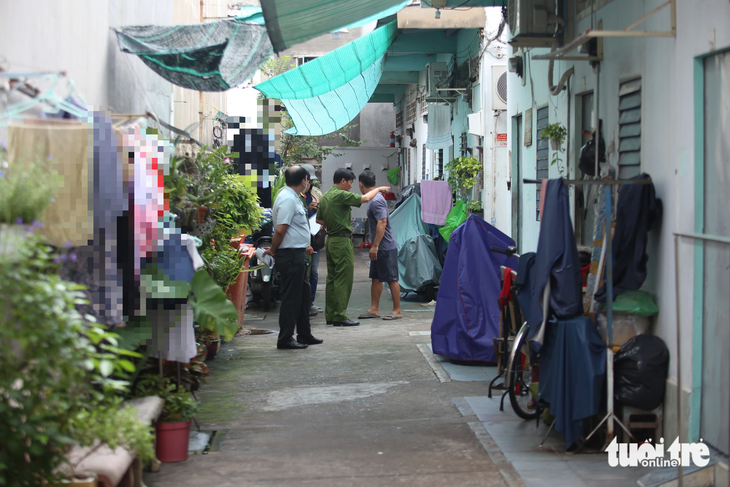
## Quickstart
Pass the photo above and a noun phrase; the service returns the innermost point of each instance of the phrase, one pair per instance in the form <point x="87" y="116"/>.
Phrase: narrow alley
<point x="362" y="409"/>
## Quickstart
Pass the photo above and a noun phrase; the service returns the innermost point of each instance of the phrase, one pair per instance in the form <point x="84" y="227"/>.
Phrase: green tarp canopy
<point x="325" y="94"/>
<point x="213" y="56"/>
<point x="291" y="22"/>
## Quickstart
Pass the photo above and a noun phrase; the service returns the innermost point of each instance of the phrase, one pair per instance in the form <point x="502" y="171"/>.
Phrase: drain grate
<point x="213" y="434"/>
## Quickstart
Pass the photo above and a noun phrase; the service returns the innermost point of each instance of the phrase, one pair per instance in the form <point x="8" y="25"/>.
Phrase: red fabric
<point x="506" y="294"/>
<point x="584" y="271"/>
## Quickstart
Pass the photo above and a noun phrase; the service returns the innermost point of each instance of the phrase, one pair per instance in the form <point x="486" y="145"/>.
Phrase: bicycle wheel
<point x="520" y="379"/>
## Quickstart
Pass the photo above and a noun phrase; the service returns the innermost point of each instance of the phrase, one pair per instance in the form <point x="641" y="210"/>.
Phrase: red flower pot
<point x="171" y="442"/>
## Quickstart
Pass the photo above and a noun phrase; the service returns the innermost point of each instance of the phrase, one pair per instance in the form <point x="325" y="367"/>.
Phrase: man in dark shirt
<point x="383" y="253"/>
<point x="335" y="213"/>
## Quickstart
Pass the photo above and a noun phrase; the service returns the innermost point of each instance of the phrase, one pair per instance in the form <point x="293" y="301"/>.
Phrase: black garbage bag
<point x="640" y="372"/>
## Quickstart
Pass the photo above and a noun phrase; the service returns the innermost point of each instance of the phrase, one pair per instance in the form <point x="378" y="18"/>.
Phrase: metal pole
<point x="609" y="313"/>
<point x="597" y="136"/>
<point x="679" y="353"/>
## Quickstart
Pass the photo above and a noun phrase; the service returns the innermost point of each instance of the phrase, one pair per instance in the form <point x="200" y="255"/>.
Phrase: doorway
<point x="715" y="361"/>
<point x="516" y="179"/>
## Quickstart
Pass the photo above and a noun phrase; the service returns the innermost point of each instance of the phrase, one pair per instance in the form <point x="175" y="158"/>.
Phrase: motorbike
<point x="264" y="282"/>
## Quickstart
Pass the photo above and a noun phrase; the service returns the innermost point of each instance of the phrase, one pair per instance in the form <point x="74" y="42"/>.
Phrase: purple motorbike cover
<point x="467" y="310"/>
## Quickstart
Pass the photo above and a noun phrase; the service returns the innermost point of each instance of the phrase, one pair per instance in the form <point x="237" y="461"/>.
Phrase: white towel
<point x="439" y="127"/>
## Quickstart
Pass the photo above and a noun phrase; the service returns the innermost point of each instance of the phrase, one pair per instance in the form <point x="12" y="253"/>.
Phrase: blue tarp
<point x="418" y="264"/>
<point x="572" y="374"/>
<point x="467" y="311"/>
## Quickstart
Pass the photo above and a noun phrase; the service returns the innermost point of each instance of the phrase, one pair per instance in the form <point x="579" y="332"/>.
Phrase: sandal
<point x="367" y="315"/>
<point x="391" y="317"/>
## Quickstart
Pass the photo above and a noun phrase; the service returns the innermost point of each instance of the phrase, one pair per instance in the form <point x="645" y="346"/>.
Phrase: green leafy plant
<point x="475" y="206"/>
<point x="180" y="405"/>
<point x="239" y="206"/>
<point x="61" y="374"/>
<point x="211" y="308"/>
<point x="278" y="185"/>
<point x="193" y="182"/>
<point x="224" y="264"/>
<point x="27" y="187"/>
<point x="463" y="172"/>
<point x="556" y="133"/>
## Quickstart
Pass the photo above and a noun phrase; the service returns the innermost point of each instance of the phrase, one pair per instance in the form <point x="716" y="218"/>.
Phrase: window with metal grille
<point x="629" y="129"/>
<point x="411" y="112"/>
<point x="439" y="156"/>
<point x="423" y="105"/>
<point x="543" y="153"/>
<point x="423" y="162"/>
<point x="399" y="119"/>
<point x="408" y="167"/>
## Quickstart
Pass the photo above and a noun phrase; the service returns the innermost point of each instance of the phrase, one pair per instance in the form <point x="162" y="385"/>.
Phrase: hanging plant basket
<point x="555" y="144"/>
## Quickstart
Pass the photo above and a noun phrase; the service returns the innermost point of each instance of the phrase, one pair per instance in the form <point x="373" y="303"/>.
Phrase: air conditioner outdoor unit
<point x="436" y="77"/>
<point x="499" y="87"/>
<point x="531" y="22"/>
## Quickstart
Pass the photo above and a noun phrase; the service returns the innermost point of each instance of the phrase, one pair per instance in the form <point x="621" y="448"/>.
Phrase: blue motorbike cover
<point x="467" y="311"/>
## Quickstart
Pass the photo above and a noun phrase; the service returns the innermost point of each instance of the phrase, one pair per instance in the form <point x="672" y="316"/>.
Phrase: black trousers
<point x="295" y="294"/>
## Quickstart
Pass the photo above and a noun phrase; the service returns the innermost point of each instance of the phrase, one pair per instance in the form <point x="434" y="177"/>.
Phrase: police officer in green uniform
<point x="336" y="214"/>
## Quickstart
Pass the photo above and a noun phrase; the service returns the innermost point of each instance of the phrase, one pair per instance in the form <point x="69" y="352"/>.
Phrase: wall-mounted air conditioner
<point x="499" y="87"/>
<point x="532" y="23"/>
<point x="436" y="77"/>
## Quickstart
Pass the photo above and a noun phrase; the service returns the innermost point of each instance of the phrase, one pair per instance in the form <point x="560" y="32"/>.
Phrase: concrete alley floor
<point x="365" y="408"/>
<point x="371" y="406"/>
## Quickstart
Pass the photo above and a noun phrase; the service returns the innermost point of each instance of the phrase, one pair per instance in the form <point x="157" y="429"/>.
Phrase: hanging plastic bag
<point x="393" y="175"/>
<point x="456" y="217"/>
<point x="587" y="158"/>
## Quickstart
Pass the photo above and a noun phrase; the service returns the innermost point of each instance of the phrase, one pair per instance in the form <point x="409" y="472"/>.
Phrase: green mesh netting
<point x="323" y="95"/>
<point x="214" y="56"/>
<point x="291" y="22"/>
<point x="332" y="70"/>
<point x="255" y="15"/>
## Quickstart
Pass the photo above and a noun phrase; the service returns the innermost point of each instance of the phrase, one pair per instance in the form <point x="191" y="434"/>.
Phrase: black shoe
<point x="310" y="341"/>
<point x="330" y="322"/>
<point x="346" y="323"/>
<point x="312" y="312"/>
<point x="291" y="344"/>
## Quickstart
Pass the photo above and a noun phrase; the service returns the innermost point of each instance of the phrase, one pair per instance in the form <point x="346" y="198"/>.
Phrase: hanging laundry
<point x="439" y="127"/>
<point x="637" y="212"/>
<point x="173" y="336"/>
<point x="93" y="262"/>
<point x="557" y="265"/>
<point x="435" y="201"/>
<point x="65" y="147"/>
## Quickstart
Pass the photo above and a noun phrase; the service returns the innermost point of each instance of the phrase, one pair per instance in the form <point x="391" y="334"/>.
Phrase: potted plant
<point x="212" y="343"/>
<point x="557" y="134"/>
<point x="194" y="186"/>
<point x="173" y="427"/>
<point x="463" y="172"/>
<point x="61" y="374"/>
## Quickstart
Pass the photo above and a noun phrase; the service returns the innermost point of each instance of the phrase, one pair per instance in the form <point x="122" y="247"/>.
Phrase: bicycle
<point x="522" y="367"/>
